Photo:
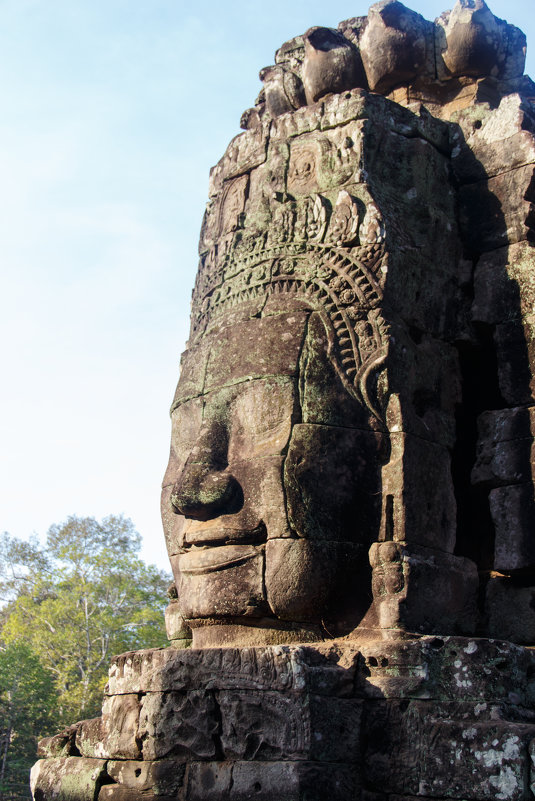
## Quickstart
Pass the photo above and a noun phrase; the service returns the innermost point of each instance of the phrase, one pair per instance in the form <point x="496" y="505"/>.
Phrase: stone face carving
<point x="349" y="501"/>
<point x="319" y="286"/>
<point x="296" y="404"/>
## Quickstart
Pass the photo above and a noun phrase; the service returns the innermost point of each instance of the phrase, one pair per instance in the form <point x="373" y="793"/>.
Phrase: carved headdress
<point x="328" y="254"/>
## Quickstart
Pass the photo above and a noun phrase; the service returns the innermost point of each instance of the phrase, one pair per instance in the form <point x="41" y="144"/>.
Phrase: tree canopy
<point x="69" y="606"/>
<point x="27" y="709"/>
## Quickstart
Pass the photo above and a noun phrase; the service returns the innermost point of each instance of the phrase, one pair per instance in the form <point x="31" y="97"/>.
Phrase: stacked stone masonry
<point x="349" y="501"/>
<point x="421" y="718"/>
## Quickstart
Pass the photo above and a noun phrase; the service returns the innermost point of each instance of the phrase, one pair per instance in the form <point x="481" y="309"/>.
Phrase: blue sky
<point x="112" y="113"/>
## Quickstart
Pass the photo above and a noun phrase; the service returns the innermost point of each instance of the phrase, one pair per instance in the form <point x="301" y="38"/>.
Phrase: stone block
<point x="323" y="398"/>
<point x="418" y="500"/>
<point x="493" y="140"/>
<point x="60" y="745"/>
<point x="270" y="726"/>
<point x="67" y="778"/>
<point x="447" y="670"/>
<point x="506" y="425"/>
<point x="406" y="177"/>
<point x="470" y="40"/>
<point x="245" y="152"/>
<point x="498" y="211"/>
<point x="321" y="668"/>
<point x="283" y="90"/>
<point x="413" y="749"/>
<point x="340" y="109"/>
<point x="396" y="46"/>
<point x="424" y="386"/>
<point x="192" y="370"/>
<point x="515" y="352"/>
<point x="303" y="120"/>
<point x="213" y="324"/>
<point x="113" y="735"/>
<point x="322" y="163"/>
<point x="422" y="590"/>
<point x="510" y="610"/>
<point x="159" y="670"/>
<point x="178" y="724"/>
<point x="426" y="295"/>
<point x="332" y="64"/>
<point x="117" y="792"/>
<point x="504" y="284"/>
<point x="505" y="450"/>
<point x="235" y="590"/>
<point x="531" y="749"/>
<point x="513" y="510"/>
<point x="262" y="416"/>
<point x="162" y="778"/>
<point x="270" y="781"/>
<point x="173" y="523"/>
<point x="175" y="625"/>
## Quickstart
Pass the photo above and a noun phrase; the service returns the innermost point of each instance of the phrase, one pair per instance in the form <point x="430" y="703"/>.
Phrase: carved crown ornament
<point x="334" y="261"/>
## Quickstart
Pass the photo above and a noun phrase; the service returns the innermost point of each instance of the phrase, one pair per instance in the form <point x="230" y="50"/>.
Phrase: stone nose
<point x="203" y="493"/>
<point x="205" y="487"/>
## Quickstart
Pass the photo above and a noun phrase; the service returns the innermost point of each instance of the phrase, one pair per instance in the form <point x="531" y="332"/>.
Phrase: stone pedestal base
<point x="427" y="718"/>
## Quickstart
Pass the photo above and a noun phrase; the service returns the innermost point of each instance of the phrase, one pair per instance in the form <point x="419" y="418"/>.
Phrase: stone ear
<point x="323" y="396"/>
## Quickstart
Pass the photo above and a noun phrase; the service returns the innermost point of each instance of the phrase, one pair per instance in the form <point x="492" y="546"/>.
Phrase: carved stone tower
<point x="349" y="501"/>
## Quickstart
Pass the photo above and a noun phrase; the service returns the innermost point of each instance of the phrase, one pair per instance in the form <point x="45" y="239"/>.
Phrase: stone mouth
<point x="200" y="561"/>
<point x="218" y="536"/>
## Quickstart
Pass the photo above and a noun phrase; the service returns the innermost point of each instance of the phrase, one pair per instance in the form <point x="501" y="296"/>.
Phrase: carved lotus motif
<point x="372" y="230"/>
<point x="344" y="224"/>
<point x="347" y="296"/>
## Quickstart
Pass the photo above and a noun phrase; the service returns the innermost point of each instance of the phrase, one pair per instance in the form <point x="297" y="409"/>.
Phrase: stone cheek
<point x="323" y="582"/>
<point x="332" y="482"/>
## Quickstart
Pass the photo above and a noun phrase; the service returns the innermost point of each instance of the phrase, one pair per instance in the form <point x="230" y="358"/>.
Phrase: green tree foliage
<point x="27" y="710"/>
<point x="78" y="600"/>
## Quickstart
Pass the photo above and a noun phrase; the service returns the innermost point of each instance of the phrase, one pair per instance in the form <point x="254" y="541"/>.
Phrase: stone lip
<point x="208" y="560"/>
